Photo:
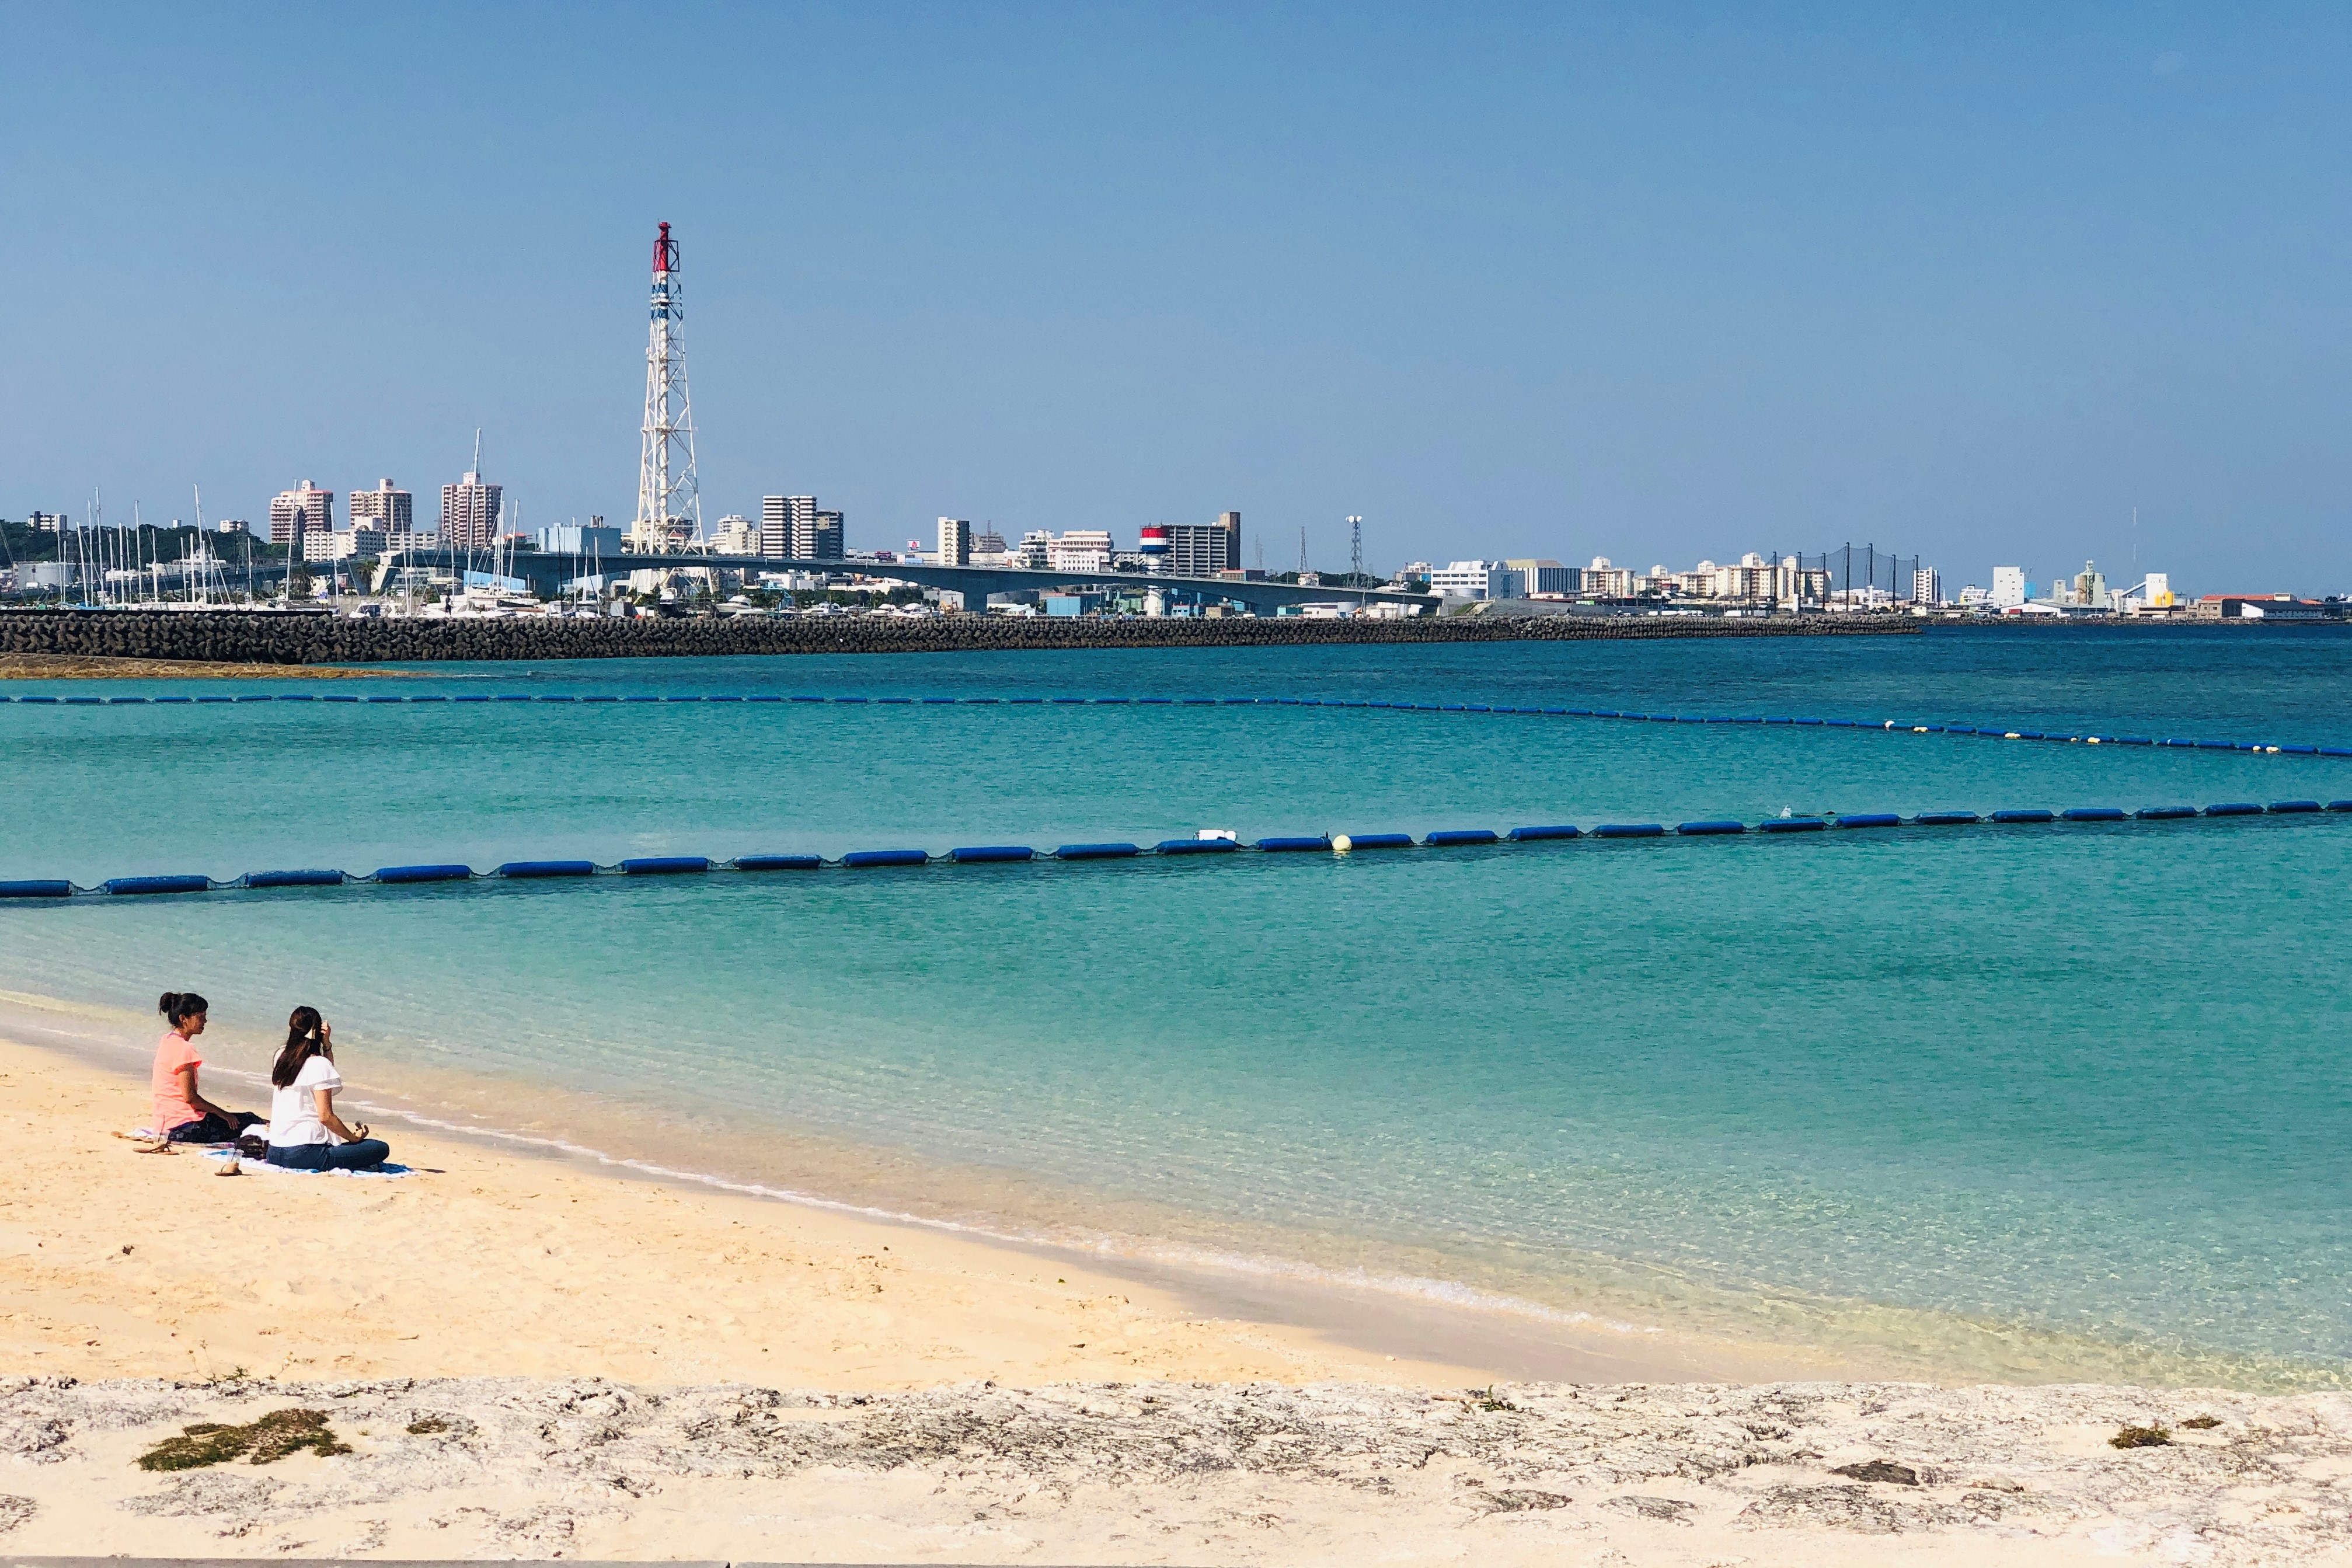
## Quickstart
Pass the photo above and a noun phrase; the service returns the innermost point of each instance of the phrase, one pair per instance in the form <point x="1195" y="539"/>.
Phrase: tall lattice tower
<point x="669" y="502"/>
<point x="1355" y="546"/>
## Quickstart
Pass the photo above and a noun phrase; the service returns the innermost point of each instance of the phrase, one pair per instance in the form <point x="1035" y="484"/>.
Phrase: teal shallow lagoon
<point x="2034" y="1101"/>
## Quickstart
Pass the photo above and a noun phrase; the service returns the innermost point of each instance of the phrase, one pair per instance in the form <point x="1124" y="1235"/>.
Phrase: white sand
<point x="595" y="1359"/>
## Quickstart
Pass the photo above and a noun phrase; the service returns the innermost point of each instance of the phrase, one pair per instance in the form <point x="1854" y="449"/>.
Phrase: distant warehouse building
<point x="2263" y="607"/>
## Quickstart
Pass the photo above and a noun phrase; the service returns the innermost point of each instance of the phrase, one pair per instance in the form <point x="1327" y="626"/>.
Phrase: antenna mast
<point x="669" y="503"/>
<point x="1356" y="547"/>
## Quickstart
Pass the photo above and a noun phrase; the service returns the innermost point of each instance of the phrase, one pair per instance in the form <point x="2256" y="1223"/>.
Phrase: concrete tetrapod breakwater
<point x="245" y="637"/>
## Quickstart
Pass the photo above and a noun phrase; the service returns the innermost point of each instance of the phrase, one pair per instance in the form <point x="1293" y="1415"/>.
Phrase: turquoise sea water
<point x="2032" y="1102"/>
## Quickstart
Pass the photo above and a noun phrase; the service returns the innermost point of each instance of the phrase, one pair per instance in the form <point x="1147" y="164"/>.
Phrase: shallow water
<point x="2019" y="1101"/>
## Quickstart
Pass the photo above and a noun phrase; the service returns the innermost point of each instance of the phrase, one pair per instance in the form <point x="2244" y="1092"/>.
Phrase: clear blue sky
<point x="1656" y="282"/>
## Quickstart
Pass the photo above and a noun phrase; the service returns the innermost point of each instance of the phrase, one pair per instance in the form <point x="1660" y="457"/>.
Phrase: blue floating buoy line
<point x="999" y="853"/>
<point x="1999" y="732"/>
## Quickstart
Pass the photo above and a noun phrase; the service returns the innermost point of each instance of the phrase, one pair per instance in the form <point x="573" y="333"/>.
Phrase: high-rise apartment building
<point x="793" y="526"/>
<point x="1203" y="549"/>
<point x="469" y="513"/>
<point x="786" y="523"/>
<point x="391" y="511"/>
<point x="1927" y="586"/>
<point x="305" y="509"/>
<point x="955" y="541"/>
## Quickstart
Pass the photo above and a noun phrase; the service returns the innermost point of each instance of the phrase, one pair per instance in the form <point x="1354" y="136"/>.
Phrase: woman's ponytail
<point x="305" y="1038"/>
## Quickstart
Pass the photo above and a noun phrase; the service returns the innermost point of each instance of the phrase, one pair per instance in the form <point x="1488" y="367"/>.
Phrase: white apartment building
<point x="1472" y="580"/>
<point x="955" y="543"/>
<point x="1926" y="587"/>
<point x="2008" y="587"/>
<point x="390" y="508"/>
<point x="784" y="520"/>
<point x="1606" y="582"/>
<point x="1079" y="550"/>
<point x="306" y="506"/>
<point x="735" y="535"/>
<point x="368" y="542"/>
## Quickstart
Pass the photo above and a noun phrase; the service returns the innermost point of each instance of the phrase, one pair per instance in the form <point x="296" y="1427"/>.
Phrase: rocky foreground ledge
<point x="243" y="638"/>
<point x="1174" y="1472"/>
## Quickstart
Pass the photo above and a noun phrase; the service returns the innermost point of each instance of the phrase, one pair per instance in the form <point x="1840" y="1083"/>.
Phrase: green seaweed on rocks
<point x="271" y="1438"/>
<point x="2141" y="1438"/>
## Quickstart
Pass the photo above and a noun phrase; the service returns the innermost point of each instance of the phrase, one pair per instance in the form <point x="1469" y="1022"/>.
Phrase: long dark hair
<point x="178" y="1006"/>
<point x="305" y="1038"/>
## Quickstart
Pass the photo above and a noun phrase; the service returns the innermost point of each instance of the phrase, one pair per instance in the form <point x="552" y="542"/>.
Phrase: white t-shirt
<point x="294" y="1110"/>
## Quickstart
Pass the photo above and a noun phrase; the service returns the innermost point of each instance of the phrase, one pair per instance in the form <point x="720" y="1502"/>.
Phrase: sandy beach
<point x="527" y="1358"/>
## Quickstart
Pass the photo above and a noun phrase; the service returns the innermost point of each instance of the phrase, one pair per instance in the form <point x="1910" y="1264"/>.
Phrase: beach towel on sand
<point x="387" y="1171"/>
<point x="390" y="1170"/>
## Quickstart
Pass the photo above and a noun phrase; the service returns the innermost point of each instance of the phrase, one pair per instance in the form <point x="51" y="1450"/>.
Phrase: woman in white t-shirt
<point x="305" y="1133"/>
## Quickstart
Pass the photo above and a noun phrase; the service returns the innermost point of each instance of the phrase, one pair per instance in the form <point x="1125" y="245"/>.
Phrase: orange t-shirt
<point x="173" y="1052"/>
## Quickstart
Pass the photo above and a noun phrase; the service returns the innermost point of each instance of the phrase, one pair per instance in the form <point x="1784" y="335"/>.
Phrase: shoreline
<point x="527" y="1354"/>
<point x="1385" y="1304"/>
<point x="1284" y="1323"/>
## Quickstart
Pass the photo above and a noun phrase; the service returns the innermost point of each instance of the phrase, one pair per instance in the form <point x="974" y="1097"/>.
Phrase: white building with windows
<point x="365" y="542"/>
<point x="955" y="543"/>
<point x="2008" y="587"/>
<point x="1079" y="550"/>
<point x="735" y="535"/>
<point x="1543" y="577"/>
<point x="1472" y="580"/>
<point x="1603" y="581"/>
<point x="388" y="507"/>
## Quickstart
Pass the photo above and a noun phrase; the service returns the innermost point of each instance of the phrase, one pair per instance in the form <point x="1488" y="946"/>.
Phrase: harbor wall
<point x="243" y="637"/>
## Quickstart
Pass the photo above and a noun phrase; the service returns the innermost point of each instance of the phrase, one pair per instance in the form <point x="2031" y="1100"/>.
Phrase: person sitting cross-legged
<point x="182" y="1115"/>
<point x="305" y="1133"/>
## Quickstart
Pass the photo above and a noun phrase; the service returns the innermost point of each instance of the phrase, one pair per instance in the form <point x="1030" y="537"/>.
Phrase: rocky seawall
<point x="263" y="639"/>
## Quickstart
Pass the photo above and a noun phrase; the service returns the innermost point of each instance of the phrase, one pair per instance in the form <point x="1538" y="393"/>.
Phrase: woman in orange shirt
<point x="181" y="1112"/>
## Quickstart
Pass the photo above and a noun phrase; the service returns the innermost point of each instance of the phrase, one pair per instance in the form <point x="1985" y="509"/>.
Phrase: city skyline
<point x="1605" y="285"/>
